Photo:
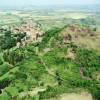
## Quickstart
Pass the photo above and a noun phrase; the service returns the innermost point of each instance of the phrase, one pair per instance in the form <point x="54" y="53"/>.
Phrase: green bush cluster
<point x="13" y="56"/>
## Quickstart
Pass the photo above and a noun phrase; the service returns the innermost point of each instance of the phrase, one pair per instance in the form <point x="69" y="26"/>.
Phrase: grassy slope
<point x="50" y="70"/>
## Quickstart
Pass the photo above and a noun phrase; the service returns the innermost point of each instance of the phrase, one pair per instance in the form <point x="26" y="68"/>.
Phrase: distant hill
<point x="95" y="8"/>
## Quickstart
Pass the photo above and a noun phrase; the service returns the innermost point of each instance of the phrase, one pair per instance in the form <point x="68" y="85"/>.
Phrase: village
<point x="32" y="33"/>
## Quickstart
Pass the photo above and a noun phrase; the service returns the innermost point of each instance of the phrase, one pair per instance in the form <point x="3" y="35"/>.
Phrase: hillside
<point x="63" y="62"/>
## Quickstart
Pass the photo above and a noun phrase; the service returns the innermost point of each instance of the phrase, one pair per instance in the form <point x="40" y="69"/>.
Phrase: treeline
<point x="48" y="35"/>
<point x="9" y="40"/>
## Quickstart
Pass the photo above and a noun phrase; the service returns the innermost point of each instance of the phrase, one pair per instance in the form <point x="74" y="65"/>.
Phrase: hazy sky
<point x="45" y="2"/>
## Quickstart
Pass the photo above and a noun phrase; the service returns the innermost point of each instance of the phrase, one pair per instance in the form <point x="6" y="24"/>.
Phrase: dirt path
<point x="73" y="96"/>
<point x="76" y="96"/>
<point x="45" y="65"/>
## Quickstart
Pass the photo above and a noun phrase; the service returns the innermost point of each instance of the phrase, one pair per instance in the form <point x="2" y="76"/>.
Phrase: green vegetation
<point x="52" y="67"/>
<point x="9" y="40"/>
<point x="6" y="41"/>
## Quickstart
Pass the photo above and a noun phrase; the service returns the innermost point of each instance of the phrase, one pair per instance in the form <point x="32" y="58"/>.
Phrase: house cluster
<point x="33" y="35"/>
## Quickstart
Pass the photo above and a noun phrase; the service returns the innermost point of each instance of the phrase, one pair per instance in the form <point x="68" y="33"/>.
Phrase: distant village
<point x="33" y="34"/>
